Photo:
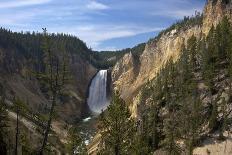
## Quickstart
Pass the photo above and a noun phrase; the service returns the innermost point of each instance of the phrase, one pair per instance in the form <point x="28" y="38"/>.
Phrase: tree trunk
<point x="116" y="150"/>
<point x="3" y="147"/>
<point x="48" y="125"/>
<point x="17" y="132"/>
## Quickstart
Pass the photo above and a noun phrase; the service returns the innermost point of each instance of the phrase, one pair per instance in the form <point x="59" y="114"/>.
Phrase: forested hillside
<point x="191" y="97"/>
<point x="23" y="65"/>
<point x="172" y="95"/>
<point x="106" y="59"/>
<point x="187" y="102"/>
<point x="179" y="93"/>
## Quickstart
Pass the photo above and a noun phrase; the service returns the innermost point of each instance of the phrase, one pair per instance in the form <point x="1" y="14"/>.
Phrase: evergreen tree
<point x="18" y="109"/>
<point x="149" y="129"/>
<point x="225" y="39"/>
<point x="75" y="144"/>
<point x="3" y="126"/>
<point x="116" y="127"/>
<point x="209" y="61"/>
<point x="213" y="120"/>
<point x="192" y="52"/>
<point x="25" y="143"/>
<point x="171" y="133"/>
<point x="139" y="144"/>
<point x="55" y="77"/>
<point x="190" y="117"/>
<point x="155" y="127"/>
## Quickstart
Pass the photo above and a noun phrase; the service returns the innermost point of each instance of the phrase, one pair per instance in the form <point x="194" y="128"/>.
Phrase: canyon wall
<point x="129" y="75"/>
<point x="17" y="79"/>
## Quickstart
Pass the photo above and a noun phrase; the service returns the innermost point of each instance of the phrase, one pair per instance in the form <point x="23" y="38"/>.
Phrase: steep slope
<point x="214" y="11"/>
<point x="21" y="55"/>
<point x="167" y="45"/>
<point x="187" y="101"/>
<point x="157" y="52"/>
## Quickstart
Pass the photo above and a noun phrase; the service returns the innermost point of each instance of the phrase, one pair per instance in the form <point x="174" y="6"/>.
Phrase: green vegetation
<point x="176" y="89"/>
<point x="182" y="25"/>
<point x="28" y="45"/>
<point x="106" y="59"/>
<point x="76" y="143"/>
<point x="55" y="76"/>
<point x="3" y="126"/>
<point x="223" y="1"/>
<point x="116" y="128"/>
<point x="174" y="108"/>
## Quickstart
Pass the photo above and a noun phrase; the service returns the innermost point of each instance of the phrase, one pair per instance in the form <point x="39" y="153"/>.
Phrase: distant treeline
<point x="28" y="45"/>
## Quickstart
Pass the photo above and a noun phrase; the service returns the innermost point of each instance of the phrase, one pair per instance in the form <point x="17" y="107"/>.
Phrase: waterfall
<point x="97" y="100"/>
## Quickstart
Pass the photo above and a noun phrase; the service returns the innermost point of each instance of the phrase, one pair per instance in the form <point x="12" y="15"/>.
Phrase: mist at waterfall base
<point x="97" y="101"/>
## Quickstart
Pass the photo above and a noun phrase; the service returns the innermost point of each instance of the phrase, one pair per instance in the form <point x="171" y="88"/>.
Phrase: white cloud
<point x="15" y="20"/>
<point x="83" y="18"/>
<point x="94" y="5"/>
<point x="94" y="35"/>
<point x="108" y="48"/>
<point x="21" y="3"/>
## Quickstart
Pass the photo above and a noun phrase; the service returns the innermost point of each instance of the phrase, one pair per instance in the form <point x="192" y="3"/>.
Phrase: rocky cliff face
<point x="161" y="49"/>
<point x="157" y="52"/>
<point x="214" y="11"/>
<point x="124" y="72"/>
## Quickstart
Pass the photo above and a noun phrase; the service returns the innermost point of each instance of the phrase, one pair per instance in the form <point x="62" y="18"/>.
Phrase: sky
<point x="102" y="24"/>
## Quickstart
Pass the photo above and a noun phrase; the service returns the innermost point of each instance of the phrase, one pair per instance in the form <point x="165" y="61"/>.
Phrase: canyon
<point x="95" y="75"/>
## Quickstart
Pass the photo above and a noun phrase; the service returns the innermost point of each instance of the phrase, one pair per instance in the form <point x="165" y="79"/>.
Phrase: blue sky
<point x="102" y="24"/>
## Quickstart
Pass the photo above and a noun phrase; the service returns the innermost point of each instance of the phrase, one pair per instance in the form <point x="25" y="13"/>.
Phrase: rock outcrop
<point x="214" y="11"/>
<point x="160" y="50"/>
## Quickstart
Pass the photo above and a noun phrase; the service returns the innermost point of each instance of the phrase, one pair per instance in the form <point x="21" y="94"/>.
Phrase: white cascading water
<point x="97" y="100"/>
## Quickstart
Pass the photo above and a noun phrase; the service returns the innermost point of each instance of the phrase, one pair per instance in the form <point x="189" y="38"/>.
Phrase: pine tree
<point x="190" y="113"/>
<point x="139" y="145"/>
<point x="209" y="60"/>
<point x="18" y="109"/>
<point x="3" y="126"/>
<point x="190" y="116"/>
<point x="227" y="47"/>
<point x="116" y="127"/>
<point x="55" y="77"/>
<point x="192" y="52"/>
<point x="213" y="121"/>
<point x="171" y="133"/>
<point x="25" y="143"/>
<point x="75" y="143"/>
<point x="155" y="127"/>
<point x="148" y="134"/>
<point x="225" y="39"/>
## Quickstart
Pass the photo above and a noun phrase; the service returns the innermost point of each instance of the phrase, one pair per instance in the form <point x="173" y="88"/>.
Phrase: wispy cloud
<point x="108" y="48"/>
<point x="100" y="23"/>
<point x="11" y="19"/>
<point x="94" y="35"/>
<point x="21" y="3"/>
<point x="94" y="5"/>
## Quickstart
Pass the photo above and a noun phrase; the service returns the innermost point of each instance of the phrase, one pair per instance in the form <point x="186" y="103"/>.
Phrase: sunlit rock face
<point x="97" y="100"/>
<point x="160" y="50"/>
<point x="214" y="11"/>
